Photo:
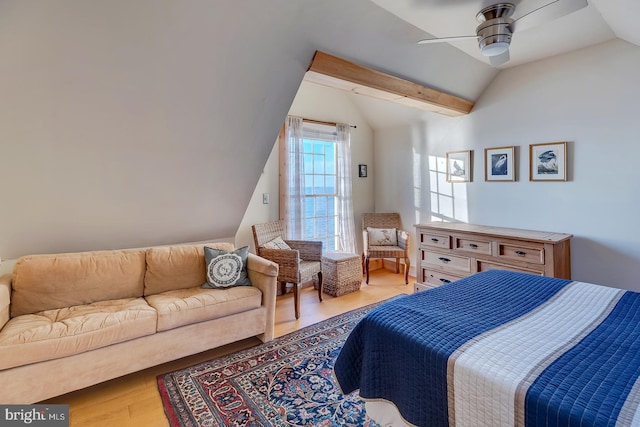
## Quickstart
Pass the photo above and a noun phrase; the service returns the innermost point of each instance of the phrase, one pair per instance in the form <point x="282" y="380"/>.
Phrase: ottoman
<point x="341" y="273"/>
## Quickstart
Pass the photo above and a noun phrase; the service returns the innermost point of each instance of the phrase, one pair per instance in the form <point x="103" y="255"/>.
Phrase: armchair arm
<point x="365" y="242"/>
<point x="309" y="250"/>
<point x="5" y="298"/>
<point x="403" y="239"/>
<point x="288" y="261"/>
<point x="263" y="275"/>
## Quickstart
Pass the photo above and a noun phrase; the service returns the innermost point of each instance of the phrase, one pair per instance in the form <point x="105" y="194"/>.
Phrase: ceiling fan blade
<point x="548" y="12"/>
<point x="499" y="59"/>
<point x="446" y="39"/>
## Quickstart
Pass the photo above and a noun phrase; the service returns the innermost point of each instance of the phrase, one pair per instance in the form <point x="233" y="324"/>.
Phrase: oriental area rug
<point x="286" y="382"/>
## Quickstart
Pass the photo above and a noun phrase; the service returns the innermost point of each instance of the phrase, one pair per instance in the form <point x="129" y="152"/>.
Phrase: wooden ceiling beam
<point x="336" y="72"/>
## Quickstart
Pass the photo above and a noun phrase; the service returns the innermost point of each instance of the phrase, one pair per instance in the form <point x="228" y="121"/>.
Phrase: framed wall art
<point x="548" y="162"/>
<point x="362" y="171"/>
<point x="499" y="164"/>
<point x="459" y="166"/>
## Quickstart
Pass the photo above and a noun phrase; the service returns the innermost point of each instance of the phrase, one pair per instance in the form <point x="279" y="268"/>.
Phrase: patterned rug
<point x="286" y="382"/>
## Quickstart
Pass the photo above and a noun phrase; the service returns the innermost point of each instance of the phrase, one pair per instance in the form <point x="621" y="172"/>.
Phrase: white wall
<point x="258" y="212"/>
<point x="588" y="98"/>
<point x="322" y="103"/>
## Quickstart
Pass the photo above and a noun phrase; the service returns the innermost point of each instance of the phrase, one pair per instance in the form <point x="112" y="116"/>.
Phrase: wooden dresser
<point x="449" y="251"/>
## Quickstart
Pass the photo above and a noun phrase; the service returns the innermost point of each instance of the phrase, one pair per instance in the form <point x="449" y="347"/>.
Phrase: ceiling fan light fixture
<point x="494" y="36"/>
<point x="494" y="49"/>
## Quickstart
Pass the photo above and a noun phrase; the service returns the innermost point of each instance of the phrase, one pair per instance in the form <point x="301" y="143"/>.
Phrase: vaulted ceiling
<point x="599" y="21"/>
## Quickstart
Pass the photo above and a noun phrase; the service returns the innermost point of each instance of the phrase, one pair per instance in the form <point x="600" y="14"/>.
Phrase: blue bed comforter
<point x="501" y="349"/>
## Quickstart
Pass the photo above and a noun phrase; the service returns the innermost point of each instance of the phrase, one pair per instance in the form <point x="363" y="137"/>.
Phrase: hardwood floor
<point x="133" y="400"/>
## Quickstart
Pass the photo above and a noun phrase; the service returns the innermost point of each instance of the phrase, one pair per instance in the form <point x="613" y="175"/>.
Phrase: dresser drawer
<point x="515" y="252"/>
<point x="437" y="278"/>
<point x="486" y="266"/>
<point x="434" y="240"/>
<point x="472" y="245"/>
<point x="417" y="287"/>
<point x="448" y="262"/>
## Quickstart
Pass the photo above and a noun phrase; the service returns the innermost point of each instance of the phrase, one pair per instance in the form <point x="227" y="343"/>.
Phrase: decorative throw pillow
<point x="382" y="236"/>
<point x="276" y="243"/>
<point x="226" y="269"/>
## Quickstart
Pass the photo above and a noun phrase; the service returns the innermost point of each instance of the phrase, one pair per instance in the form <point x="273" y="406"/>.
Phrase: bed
<point x="500" y="348"/>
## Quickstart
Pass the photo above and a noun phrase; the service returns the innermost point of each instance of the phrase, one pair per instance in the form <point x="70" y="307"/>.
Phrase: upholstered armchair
<point x="298" y="260"/>
<point x="383" y="237"/>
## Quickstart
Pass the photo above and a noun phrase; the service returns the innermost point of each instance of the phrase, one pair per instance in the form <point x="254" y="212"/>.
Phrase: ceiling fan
<point x="498" y="24"/>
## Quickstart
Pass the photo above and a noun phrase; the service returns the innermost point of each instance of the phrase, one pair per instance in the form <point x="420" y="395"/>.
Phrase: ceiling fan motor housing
<point x="494" y="32"/>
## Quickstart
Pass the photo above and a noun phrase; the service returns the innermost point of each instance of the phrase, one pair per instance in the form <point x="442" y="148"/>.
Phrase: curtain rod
<point x="319" y="122"/>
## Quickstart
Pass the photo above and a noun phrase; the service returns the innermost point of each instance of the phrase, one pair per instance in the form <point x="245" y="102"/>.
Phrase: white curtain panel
<point x="294" y="193"/>
<point x="346" y="222"/>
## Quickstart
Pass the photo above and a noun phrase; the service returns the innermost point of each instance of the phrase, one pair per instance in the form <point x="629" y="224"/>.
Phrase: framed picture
<point x="499" y="164"/>
<point x="548" y="162"/>
<point x="362" y="171"/>
<point x="459" y="166"/>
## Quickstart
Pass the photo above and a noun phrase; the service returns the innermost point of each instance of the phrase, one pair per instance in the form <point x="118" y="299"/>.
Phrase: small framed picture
<point x="362" y="171"/>
<point x="459" y="166"/>
<point x="548" y="162"/>
<point x="499" y="164"/>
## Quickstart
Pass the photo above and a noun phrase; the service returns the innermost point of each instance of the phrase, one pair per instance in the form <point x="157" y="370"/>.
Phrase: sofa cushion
<point x="47" y="282"/>
<point x="225" y="269"/>
<point x="52" y="334"/>
<point x="185" y="306"/>
<point x="177" y="267"/>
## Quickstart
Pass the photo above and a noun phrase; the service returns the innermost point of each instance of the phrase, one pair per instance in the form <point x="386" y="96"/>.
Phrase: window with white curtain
<point x="317" y="194"/>
<point x="320" y="191"/>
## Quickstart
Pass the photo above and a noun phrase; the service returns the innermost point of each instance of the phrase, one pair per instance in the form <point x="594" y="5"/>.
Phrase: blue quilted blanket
<point x="501" y="349"/>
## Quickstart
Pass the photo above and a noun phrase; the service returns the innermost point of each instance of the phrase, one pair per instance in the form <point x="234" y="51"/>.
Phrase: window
<point x="320" y="191"/>
<point x="316" y="183"/>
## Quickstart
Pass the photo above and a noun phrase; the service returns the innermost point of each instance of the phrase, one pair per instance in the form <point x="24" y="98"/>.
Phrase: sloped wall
<point x="129" y="124"/>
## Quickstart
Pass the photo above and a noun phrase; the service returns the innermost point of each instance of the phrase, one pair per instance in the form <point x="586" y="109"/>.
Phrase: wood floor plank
<point x="134" y="400"/>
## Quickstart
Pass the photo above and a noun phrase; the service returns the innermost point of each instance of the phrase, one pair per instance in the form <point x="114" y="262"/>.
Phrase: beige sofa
<point x="68" y="321"/>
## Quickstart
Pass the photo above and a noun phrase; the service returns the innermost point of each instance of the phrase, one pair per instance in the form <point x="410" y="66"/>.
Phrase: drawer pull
<point x="473" y="246"/>
<point x="445" y="281"/>
<point x="445" y="260"/>
<point x="521" y="253"/>
<point x="433" y="239"/>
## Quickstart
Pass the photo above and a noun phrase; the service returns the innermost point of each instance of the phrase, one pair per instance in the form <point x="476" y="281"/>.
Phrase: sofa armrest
<point x="263" y="275"/>
<point x="309" y="250"/>
<point x="5" y="298"/>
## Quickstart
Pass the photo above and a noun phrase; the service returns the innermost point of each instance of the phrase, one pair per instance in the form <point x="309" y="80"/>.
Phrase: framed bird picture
<point x="548" y="162"/>
<point x="499" y="164"/>
<point x="459" y="166"/>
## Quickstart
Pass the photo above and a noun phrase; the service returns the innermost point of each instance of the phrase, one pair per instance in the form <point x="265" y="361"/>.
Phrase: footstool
<point x="341" y="273"/>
